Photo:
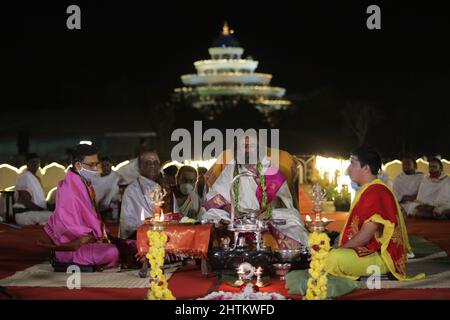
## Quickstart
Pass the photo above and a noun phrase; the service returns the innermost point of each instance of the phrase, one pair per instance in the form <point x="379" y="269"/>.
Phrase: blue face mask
<point x="87" y="174"/>
<point x="355" y="186"/>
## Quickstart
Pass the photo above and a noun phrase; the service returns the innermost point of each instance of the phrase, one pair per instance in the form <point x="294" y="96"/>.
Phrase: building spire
<point x="226" y="31"/>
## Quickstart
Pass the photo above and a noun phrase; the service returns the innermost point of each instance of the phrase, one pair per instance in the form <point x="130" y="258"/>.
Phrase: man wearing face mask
<point x="433" y="198"/>
<point x="76" y="231"/>
<point x="186" y="197"/>
<point x="374" y="233"/>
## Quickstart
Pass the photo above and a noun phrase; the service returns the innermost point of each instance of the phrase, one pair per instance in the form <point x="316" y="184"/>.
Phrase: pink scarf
<point x="75" y="215"/>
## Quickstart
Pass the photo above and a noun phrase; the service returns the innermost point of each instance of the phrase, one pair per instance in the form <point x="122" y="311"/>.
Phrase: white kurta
<point x="135" y="200"/>
<point x="407" y="185"/>
<point x="191" y="204"/>
<point x="294" y="226"/>
<point x="428" y="192"/>
<point x="28" y="182"/>
<point x="442" y="201"/>
<point x="106" y="189"/>
<point x="129" y="172"/>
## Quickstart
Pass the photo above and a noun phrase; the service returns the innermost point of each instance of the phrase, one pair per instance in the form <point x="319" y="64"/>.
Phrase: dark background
<point x="118" y="72"/>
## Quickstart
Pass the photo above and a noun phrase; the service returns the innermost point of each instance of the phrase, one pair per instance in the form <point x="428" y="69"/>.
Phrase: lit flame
<point x="161" y="217"/>
<point x="308" y="218"/>
<point x="259" y="270"/>
<point x="142" y="215"/>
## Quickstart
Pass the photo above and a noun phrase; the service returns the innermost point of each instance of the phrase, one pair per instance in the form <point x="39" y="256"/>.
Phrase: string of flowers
<point x="158" y="282"/>
<point x="317" y="283"/>
<point x="267" y="209"/>
<point x="262" y="179"/>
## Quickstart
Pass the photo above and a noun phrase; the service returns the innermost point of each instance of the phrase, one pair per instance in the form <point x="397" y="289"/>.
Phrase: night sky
<point x="129" y="56"/>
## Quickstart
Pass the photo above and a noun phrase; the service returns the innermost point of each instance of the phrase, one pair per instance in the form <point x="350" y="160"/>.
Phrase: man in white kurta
<point x="136" y="202"/>
<point x="106" y="186"/>
<point x="406" y="184"/>
<point x="30" y="196"/>
<point x="432" y="195"/>
<point x="292" y="229"/>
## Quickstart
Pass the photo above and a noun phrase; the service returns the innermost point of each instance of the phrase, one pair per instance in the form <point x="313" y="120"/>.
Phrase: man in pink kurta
<point x="75" y="228"/>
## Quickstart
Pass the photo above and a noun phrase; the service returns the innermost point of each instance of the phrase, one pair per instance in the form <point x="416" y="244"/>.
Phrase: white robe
<point x="134" y="202"/>
<point x="193" y="203"/>
<point x="294" y="226"/>
<point x="428" y="193"/>
<point x="407" y="185"/>
<point x="129" y="172"/>
<point x="106" y="189"/>
<point x="30" y="183"/>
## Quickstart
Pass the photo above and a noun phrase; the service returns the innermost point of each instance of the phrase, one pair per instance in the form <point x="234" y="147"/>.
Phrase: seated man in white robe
<point x="431" y="199"/>
<point x="136" y="199"/>
<point x="273" y="201"/>
<point x="406" y="184"/>
<point x="186" y="198"/>
<point x="106" y="186"/>
<point x="31" y="206"/>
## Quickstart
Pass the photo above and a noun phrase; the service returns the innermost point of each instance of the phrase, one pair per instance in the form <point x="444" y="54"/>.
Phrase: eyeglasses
<point x="92" y="165"/>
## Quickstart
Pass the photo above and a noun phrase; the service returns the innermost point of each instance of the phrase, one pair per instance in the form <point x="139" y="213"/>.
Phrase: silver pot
<point x="288" y="255"/>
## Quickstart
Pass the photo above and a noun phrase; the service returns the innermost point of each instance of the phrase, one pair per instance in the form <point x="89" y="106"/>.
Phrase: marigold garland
<point x="317" y="283"/>
<point x="158" y="282"/>
<point x="267" y="209"/>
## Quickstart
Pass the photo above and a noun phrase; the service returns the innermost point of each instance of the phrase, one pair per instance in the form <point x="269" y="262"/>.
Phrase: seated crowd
<point x="90" y="195"/>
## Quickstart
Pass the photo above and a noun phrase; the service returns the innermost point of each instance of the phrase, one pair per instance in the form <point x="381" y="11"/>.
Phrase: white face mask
<point x="186" y="188"/>
<point x="87" y="174"/>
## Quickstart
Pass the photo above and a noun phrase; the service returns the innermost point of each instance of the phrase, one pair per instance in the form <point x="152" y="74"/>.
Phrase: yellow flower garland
<point x="158" y="282"/>
<point x="317" y="284"/>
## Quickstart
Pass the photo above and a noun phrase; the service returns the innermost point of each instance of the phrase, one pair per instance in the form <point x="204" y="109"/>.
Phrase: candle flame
<point x="308" y="218"/>
<point x="142" y="215"/>
<point x="161" y="217"/>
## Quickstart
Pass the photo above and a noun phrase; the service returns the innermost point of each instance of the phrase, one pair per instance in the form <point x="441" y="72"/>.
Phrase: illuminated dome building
<point x="227" y="78"/>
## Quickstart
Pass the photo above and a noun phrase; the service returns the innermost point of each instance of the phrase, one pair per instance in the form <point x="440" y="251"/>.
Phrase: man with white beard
<point x="273" y="201"/>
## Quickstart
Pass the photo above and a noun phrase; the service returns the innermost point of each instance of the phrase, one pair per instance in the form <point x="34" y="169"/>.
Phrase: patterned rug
<point x="42" y="275"/>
